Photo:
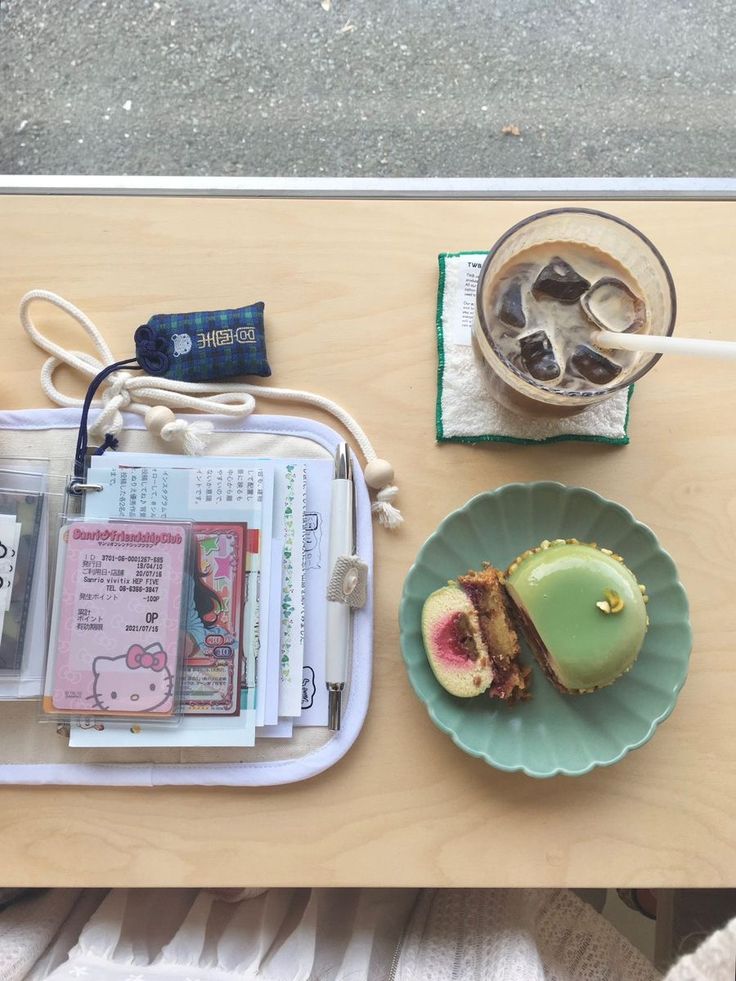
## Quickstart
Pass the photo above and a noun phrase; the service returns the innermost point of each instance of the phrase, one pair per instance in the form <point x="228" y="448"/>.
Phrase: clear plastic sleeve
<point x="118" y="608"/>
<point x="24" y="518"/>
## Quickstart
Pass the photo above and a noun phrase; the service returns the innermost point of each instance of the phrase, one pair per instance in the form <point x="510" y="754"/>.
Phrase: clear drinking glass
<point x="611" y="236"/>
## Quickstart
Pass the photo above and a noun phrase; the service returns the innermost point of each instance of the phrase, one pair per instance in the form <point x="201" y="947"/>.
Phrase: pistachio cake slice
<point x="470" y="639"/>
<point x="454" y="644"/>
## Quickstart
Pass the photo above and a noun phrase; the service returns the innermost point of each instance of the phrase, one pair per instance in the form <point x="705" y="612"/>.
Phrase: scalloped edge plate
<point x="552" y="733"/>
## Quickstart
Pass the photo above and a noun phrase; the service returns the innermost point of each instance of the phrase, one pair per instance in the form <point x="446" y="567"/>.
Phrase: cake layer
<point x="454" y="643"/>
<point x="485" y="591"/>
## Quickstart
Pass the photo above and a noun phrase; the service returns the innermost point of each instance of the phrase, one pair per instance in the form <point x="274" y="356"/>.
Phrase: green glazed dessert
<point x="582" y="611"/>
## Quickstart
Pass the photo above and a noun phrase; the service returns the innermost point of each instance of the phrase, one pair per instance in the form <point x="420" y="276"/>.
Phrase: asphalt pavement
<point x="380" y="88"/>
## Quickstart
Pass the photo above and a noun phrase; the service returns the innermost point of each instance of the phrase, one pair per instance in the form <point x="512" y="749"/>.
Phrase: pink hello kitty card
<point x="117" y="619"/>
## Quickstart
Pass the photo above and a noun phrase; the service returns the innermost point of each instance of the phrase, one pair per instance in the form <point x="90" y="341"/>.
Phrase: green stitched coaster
<point x="466" y="412"/>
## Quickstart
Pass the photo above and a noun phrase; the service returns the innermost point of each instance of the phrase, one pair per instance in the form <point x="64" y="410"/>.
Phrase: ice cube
<point x="593" y="365"/>
<point x="560" y="281"/>
<point x="538" y="356"/>
<point x="511" y="309"/>
<point x="613" y="306"/>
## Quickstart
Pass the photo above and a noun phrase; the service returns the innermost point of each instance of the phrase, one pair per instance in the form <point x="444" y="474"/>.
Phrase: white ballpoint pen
<point x="339" y="618"/>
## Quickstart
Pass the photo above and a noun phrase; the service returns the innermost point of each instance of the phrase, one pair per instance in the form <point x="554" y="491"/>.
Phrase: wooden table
<point x="350" y="288"/>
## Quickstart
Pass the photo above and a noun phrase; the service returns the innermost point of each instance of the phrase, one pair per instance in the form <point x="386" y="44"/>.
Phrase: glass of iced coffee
<point x="547" y="287"/>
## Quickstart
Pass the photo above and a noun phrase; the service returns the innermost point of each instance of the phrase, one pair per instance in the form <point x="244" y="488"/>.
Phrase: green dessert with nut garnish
<point x="582" y="611"/>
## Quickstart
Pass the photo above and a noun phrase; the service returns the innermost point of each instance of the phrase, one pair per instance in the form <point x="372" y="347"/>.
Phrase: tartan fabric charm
<point x="205" y="346"/>
<point x="188" y="352"/>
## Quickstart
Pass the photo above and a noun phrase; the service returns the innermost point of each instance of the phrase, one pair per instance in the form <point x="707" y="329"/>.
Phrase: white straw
<point x="653" y="344"/>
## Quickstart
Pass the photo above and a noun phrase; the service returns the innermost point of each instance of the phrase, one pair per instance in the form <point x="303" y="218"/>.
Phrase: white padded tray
<point x="34" y="753"/>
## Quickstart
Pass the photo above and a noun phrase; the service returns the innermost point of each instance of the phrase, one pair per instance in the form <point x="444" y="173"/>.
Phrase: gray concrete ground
<point x="368" y="87"/>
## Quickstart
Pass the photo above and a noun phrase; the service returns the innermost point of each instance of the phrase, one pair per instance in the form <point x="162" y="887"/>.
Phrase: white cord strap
<point x="154" y="398"/>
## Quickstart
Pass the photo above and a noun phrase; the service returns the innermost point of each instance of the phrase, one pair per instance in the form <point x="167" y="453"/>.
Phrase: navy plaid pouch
<point x="205" y="346"/>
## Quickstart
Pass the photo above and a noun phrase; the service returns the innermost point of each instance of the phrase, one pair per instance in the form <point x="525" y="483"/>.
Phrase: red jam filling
<point x="447" y="641"/>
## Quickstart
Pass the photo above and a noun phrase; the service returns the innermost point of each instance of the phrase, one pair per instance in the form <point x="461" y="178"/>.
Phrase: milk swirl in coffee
<point x="548" y="302"/>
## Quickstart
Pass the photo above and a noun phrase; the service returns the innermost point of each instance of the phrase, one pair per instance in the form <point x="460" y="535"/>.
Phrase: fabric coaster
<point x="466" y="411"/>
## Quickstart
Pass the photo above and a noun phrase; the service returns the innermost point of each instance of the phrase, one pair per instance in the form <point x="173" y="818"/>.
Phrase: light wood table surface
<point x="350" y="291"/>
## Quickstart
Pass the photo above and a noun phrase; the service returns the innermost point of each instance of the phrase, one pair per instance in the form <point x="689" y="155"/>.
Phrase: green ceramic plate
<point x="552" y="733"/>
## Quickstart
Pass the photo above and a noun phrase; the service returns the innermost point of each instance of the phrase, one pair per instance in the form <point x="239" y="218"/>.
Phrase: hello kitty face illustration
<point x="182" y="344"/>
<point x="138" y="681"/>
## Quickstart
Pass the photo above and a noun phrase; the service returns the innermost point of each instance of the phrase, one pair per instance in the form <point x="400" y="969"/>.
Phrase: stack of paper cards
<point x="254" y="646"/>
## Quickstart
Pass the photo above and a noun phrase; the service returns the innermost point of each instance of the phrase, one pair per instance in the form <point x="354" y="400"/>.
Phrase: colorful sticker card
<point x="117" y="618"/>
<point x="214" y="623"/>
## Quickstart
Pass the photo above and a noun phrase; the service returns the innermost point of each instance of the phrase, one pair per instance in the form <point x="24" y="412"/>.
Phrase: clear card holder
<point x="119" y="603"/>
<point x="24" y="523"/>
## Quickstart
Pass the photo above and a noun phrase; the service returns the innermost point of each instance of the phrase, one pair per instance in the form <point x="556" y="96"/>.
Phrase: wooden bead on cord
<point x="378" y="474"/>
<point x="157" y="417"/>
